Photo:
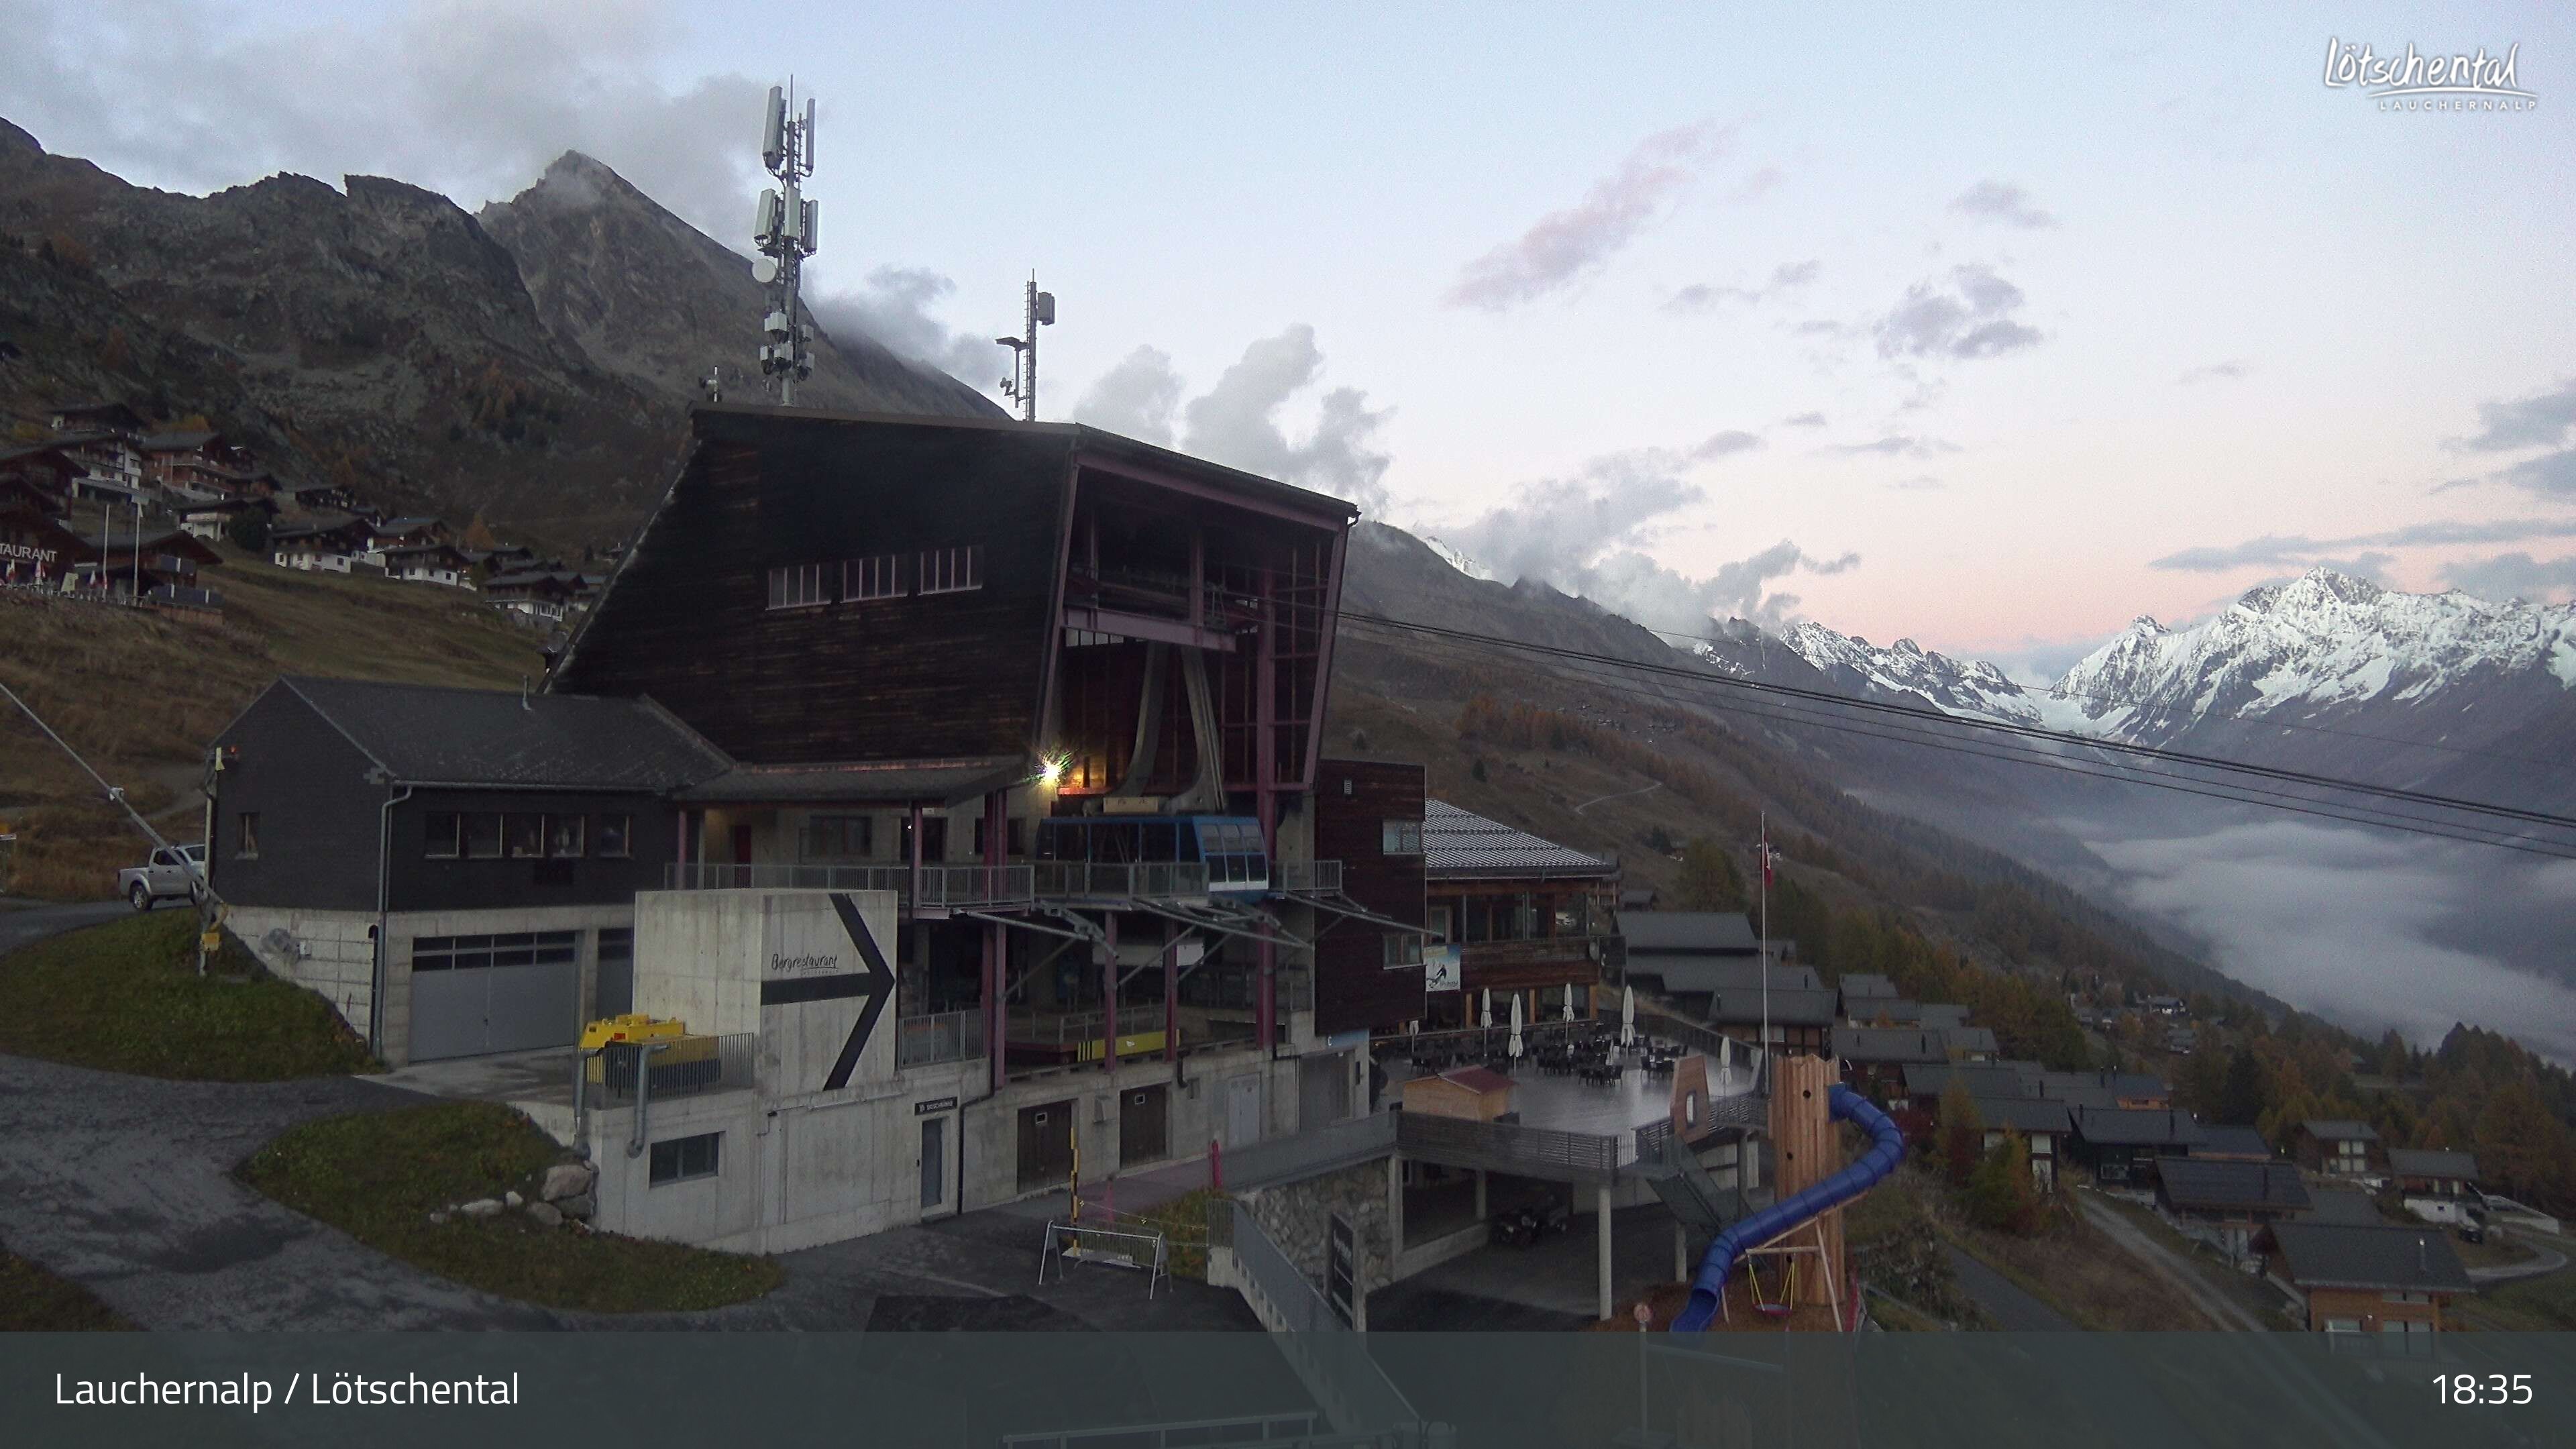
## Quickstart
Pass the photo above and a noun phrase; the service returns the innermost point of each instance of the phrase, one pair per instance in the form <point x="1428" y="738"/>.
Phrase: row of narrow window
<point x="934" y="570"/>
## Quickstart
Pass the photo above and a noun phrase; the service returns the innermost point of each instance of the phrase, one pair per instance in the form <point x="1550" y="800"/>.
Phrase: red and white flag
<point x="1763" y="851"/>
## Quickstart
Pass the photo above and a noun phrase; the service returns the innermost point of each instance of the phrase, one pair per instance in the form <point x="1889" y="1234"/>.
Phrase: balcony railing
<point x="688" y="1065"/>
<point x="1540" y="952"/>
<point x="947" y="1036"/>
<point x="1078" y="1028"/>
<point x="952" y="886"/>
<point x="1068" y="880"/>
<point x="1310" y="877"/>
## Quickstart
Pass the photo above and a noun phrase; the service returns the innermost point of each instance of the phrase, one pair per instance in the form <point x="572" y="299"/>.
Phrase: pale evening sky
<point x="2008" y="324"/>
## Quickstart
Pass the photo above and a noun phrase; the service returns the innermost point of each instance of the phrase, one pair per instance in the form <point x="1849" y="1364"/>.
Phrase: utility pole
<point x="1022" y="385"/>
<point x="783" y="230"/>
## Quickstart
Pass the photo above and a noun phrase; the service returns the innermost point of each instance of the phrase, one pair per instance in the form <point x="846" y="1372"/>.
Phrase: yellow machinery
<point x="681" y="1063"/>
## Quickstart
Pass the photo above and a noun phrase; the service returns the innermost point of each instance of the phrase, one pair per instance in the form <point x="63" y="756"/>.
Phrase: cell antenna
<point x="783" y="228"/>
<point x="1022" y="385"/>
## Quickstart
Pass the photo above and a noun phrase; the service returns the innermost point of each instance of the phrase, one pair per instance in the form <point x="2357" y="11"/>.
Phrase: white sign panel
<point x="826" y="989"/>
<point x="1439" y="968"/>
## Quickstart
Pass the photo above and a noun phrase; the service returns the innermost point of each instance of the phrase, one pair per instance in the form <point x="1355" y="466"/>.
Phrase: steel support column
<point x="1171" y="992"/>
<point x="1109" y="993"/>
<point x="1601" y="1205"/>
<point x="1265" y="767"/>
<point x="996" y="855"/>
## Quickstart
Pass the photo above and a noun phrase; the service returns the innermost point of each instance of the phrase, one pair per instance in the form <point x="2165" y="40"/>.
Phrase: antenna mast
<point x="1022" y="385"/>
<point x="783" y="229"/>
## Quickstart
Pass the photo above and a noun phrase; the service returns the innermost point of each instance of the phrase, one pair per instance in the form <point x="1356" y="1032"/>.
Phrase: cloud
<point x="2227" y="371"/>
<point x="1804" y="420"/>
<point x="1896" y="445"/>
<point x="2541" y="420"/>
<point x="1919" y="483"/>
<point x="1756" y="186"/>
<point x="2003" y="203"/>
<point x="2275" y="550"/>
<point x="470" y="97"/>
<point x="1719" y="445"/>
<point x="1236" y="422"/>
<point x="894" y="308"/>
<point x="1969" y="316"/>
<point x="1140" y="397"/>
<point x="2551" y="473"/>
<point x="1585" y="535"/>
<point x="1704" y="296"/>
<point x="2514" y="576"/>
<point x="1567" y="245"/>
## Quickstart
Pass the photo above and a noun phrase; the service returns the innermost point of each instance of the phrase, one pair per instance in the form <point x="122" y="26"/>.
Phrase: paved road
<point x="28" y="925"/>
<point x="2182" y="1275"/>
<point x="2549" y="1261"/>
<point x="2004" y="1301"/>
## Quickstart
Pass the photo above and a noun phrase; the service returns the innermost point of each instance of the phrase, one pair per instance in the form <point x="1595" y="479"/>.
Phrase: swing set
<point x="1786" y="1304"/>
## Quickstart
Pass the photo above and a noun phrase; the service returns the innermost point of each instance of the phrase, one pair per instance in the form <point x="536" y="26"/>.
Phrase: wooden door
<point x="1144" y="1124"/>
<point x="1046" y="1144"/>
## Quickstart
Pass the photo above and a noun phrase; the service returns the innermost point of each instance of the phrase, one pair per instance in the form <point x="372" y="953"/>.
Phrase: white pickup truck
<point x="165" y="877"/>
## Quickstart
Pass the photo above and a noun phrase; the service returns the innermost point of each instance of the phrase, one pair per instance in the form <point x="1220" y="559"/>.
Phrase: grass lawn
<point x="35" y="1301"/>
<point x="2243" y="1289"/>
<point x="377" y="1176"/>
<point x="125" y="997"/>
<point x="2070" y="1265"/>
<point x="2526" y="1305"/>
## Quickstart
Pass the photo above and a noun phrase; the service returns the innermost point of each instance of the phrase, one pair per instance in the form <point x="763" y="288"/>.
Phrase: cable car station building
<point x="1022" y="723"/>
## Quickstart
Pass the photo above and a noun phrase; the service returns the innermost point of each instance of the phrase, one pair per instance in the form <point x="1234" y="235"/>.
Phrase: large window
<point x="524" y="836"/>
<point x="838" y="837"/>
<point x="565" y="836"/>
<point x="880" y="577"/>
<point x="1403" y="948"/>
<point x="474" y="953"/>
<point x="616" y="836"/>
<point x="952" y="570"/>
<point x="795" y="586"/>
<point x="934" y="839"/>
<point x="684" y="1158"/>
<point x="483" y="836"/>
<point x="1400" y="837"/>
<point x="445" y="835"/>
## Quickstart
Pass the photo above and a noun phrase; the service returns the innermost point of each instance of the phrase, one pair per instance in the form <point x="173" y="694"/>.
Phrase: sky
<point x="1993" y="329"/>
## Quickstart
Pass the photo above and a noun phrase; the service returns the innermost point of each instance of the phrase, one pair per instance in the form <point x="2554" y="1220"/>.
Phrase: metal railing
<point x="1305" y="1154"/>
<point x="1146" y="880"/>
<point x="952" y="886"/>
<point x="947" y="1036"/>
<point x="1538" y="951"/>
<point x="1508" y="1147"/>
<point x="1077" y="1028"/>
<point x="687" y="1065"/>
<point x="1327" y="1356"/>
<point x="1309" y="877"/>
<point x="1233" y="988"/>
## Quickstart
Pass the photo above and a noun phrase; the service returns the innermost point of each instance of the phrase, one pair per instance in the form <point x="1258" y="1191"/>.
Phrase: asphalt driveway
<point x="24" y="924"/>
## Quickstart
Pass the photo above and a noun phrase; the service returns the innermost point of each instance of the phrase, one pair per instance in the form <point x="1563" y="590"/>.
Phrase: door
<point x="475" y="995"/>
<point x="742" y="845"/>
<point x="1046" y="1144"/>
<point x="615" y="991"/>
<point x="1144" y="1124"/>
<point x="1323" y="1090"/>
<point x="1242" y="1111"/>
<point x="934" y="1163"/>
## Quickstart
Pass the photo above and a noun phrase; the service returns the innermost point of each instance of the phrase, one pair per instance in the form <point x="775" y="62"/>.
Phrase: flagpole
<point x="1764" y="851"/>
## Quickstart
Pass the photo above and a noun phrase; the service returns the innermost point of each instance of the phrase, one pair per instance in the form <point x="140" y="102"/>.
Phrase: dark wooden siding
<point x="319" y="818"/>
<point x="913" y="677"/>
<point x="1352" y="802"/>
<point x="423" y="884"/>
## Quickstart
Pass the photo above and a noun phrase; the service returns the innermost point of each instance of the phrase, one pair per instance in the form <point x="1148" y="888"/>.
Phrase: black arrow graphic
<point x="876" y="983"/>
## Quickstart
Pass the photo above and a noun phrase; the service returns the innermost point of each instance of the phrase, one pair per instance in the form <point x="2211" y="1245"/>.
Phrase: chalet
<point x="2392" y="1282"/>
<point x="330" y="543"/>
<point x="1859" y="987"/>
<point x="2042" y="1124"/>
<point x="2229" y="1203"/>
<point x="2164" y="1005"/>
<point x="320" y="498"/>
<point x="195" y="466"/>
<point x="2125" y="1148"/>
<point x="428" y="563"/>
<point x="1875" y="1058"/>
<point x="2125" y="1091"/>
<point x="2336" y="1147"/>
<point x="1800" y="1012"/>
<point x="384" y="534"/>
<point x="2435" y="1185"/>
<point x="155" y="562"/>
<point x="114" y="418"/>
<point x="1523" y="914"/>
<point x="1060" y="695"/>
<point x="1638" y="898"/>
<point x="1925" y="1082"/>
<point x="2231" y="1144"/>
<point x="1369" y="975"/>
<point x="1689" y="955"/>
<point x="211" y="520"/>
<point x="1883" y="1011"/>
<point x="1477" y="1094"/>
<point x="536" y="595"/>
<point x="454" y="870"/>
<point x="1945" y="1016"/>
<point x="2348" y="1206"/>
<point x="36" y="550"/>
<point x="48" y="468"/>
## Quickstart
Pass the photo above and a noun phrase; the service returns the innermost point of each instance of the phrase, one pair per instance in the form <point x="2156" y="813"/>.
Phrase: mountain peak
<point x="2146" y="624"/>
<point x="14" y="139"/>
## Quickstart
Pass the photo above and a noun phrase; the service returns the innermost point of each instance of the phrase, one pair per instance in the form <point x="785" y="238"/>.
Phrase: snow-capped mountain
<point x="1959" y="686"/>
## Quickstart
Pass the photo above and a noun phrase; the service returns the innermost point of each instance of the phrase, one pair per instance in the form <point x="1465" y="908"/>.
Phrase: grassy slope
<point x="35" y="1301"/>
<point x="141" y="694"/>
<point x="125" y="997"/>
<point x="2070" y="1265"/>
<point x="378" y="1176"/>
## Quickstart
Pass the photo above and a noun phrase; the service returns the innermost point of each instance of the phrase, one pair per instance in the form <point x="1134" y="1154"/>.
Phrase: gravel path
<point x="2182" y="1275"/>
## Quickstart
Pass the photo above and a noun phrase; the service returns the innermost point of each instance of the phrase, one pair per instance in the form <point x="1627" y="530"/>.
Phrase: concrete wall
<point x="1297" y="1218"/>
<point x="333" y="952"/>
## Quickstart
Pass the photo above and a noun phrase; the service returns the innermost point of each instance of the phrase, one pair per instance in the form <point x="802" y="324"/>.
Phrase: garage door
<point x="474" y="995"/>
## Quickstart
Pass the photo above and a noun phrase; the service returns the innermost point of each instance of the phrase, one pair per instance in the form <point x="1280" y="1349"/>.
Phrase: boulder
<point x="579" y="1205"/>
<point x="565" y="1179"/>
<point x="481" y="1207"/>
<point x="545" y="1214"/>
<point x="438" y="1217"/>
<point x="512" y="1198"/>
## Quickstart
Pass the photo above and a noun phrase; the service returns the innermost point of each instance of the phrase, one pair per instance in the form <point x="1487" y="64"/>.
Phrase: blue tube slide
<point x="1886" y="1151"/>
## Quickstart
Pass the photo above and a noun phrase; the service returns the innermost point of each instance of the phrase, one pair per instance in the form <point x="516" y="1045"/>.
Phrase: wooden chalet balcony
<point x="1510" y="964"/>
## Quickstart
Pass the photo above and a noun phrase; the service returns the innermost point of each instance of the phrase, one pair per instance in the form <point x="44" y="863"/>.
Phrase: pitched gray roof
<point x="2231" y="1186"/>
<point x="2117" y="1128"/>
<point x="1459" y="843"/>
<point x="2387" y="1259"/>
<point x="2338" y="1129"/>
<point x="2022" y="1114"/>
<point x="1790" y="1006"/>
<point x="1718" y="933"/>
<point x="2333" y="1206"/>
<point x="2102" y="1089"/>
<point x="1694" y="975"/>
<point x="425" y="735"/>
<point x="1983" y="1079"/>
<point x="1864" y="983"/>
<point x="2432" y="1162"/>
<point x="2232" y="1142"/>
<point x="1890" y="1044"/>
<point x="946" y="782"/>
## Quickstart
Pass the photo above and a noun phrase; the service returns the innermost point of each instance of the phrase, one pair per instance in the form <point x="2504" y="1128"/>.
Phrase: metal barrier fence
<point x="1329" y="1358"/>
<point x="1147" y="880"/>
<point x="941" y="885"/>
<point x="687" y="1065"/>
<point x="1508" y="1147"/>
<point x="947" y="1036"/>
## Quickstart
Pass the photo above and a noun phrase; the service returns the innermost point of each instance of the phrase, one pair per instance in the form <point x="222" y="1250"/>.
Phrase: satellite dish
<point x="764" y="270"/>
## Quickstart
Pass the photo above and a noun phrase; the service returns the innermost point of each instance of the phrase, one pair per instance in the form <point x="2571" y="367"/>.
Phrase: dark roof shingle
<point x="1459" y="842"/>
<point x="2386" y="1259"/>
<point x="426" y="735"/>
<point x="2232" y="1186"/>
